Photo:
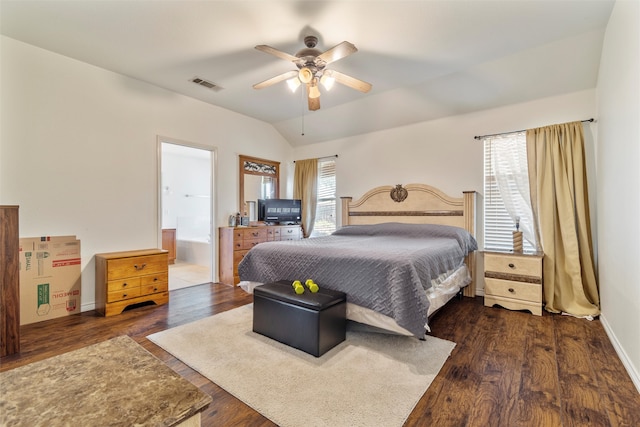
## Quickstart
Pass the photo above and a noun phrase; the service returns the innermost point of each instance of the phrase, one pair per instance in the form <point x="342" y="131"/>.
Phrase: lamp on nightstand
<point x="517" y="237"/>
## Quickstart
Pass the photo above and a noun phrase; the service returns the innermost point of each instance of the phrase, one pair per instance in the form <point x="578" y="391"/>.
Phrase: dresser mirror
<point x="258" y="180"/>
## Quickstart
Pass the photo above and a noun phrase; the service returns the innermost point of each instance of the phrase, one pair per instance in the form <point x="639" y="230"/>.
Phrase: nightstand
<point x="131" y="277"/>
<point x="513" y="281"/>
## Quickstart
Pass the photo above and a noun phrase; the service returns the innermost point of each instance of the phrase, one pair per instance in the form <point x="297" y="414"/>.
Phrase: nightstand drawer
<point x="121" y="268"/>
<point x="154" y="279"/>
<point x="517" y="290"/>
<point x="121" y="285"/>
<point x="153" y="288"/>
<point x="123" y="294"/>
<point x="513" y="264"/>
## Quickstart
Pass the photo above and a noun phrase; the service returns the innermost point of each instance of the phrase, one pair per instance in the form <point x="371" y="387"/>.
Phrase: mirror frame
<point x="255" y="166"/>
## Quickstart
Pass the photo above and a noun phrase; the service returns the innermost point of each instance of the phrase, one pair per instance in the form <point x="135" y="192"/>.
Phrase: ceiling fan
<point x="311" y="70"/>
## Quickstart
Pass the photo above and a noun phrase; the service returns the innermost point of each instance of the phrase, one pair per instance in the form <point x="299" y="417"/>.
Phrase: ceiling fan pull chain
<point x="302" y="104"/>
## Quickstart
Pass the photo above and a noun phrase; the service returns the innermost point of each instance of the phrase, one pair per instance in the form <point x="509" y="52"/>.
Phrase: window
<point x="506" y="192"/>
<point x="325" y="223"/>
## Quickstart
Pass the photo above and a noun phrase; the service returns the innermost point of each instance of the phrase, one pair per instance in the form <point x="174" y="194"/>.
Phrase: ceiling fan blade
<point x="276" y="79"/>
<point x="352" y="82"/>
<point x="339" y="51"/>
<point x="314" y="103"/>
<point x="275" y="52"/>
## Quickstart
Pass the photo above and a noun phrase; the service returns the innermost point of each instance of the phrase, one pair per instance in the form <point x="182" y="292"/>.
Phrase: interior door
<point x="186" y="206"/>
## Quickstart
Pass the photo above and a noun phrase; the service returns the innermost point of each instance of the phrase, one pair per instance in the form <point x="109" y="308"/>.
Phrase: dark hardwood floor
<point x="508" y="368"/>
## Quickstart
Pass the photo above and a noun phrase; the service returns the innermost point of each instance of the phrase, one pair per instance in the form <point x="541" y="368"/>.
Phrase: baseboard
<point x="621" y="353"/>
<point x="88" y="307"/>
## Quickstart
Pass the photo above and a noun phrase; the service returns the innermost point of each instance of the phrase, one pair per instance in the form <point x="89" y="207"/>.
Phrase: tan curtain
<point x="305" y="188"/>
<point x="559" y="198"/>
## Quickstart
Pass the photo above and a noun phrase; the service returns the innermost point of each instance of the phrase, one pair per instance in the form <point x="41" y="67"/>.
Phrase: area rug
<point x="371" y="379"/>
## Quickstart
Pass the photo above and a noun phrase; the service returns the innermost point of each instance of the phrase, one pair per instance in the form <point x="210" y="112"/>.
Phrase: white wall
<point x="441" y="152"/>
<point x="78" y="151"/>
<point x="619" y="183"/>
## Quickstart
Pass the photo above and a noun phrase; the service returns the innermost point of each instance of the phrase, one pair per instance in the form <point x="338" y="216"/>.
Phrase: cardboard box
<point x="50" y="278"/>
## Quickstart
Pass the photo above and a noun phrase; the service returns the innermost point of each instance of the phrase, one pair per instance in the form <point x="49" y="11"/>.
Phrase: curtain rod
<point x="515" y="131"/>
<point x="325" y="157"/>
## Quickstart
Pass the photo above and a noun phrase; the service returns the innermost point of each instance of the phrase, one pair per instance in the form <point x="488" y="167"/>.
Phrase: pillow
<point x="466" y="241"/>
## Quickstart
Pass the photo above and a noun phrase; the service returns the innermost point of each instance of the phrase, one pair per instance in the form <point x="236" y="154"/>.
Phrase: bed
<point x="378" y="257"/>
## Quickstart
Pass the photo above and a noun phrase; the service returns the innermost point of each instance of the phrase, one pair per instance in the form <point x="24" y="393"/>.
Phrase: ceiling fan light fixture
<point x="327" y="81"/>
<point x="314" y="92"/>
<point x="310" y="70"/>
<point x="305" y="75"/>
<point x="293" y="84"/>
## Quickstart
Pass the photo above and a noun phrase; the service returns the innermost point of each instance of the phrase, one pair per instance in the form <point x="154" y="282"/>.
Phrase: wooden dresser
<point x="235" y="242"/>
<point x="513" y="281"/>
<point x="131" y="277"/>
<point x="9" y="281"/>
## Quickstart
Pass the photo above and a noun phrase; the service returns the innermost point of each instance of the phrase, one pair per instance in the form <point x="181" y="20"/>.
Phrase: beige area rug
<point x="371" y="379"/>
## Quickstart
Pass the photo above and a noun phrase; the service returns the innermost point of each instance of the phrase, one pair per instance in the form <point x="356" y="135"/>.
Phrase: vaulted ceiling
<point x="426" y="59"/>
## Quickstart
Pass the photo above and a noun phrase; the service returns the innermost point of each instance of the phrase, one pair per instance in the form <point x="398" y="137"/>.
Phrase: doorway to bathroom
<point x="186" y="206"/>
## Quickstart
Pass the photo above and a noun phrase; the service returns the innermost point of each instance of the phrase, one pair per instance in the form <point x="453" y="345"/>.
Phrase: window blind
<point x="325" y="223"/>
<point x="498" y="224"/>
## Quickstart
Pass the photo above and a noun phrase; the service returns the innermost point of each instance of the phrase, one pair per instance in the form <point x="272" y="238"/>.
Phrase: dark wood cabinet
<point x="169" y="243"/>
<point x="9" y="281"/>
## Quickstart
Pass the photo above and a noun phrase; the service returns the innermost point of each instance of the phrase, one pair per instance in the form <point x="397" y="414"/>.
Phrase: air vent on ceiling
<point x="206" y="83"/>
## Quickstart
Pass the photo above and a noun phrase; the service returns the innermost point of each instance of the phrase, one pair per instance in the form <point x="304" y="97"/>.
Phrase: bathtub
<point x="194" y="250"/>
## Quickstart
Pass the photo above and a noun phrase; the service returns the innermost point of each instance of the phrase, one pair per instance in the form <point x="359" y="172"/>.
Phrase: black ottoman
<point x="311" y="322"/>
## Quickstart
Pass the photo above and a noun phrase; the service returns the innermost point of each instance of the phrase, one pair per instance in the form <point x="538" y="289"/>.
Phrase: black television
<point x="280" y="211"/>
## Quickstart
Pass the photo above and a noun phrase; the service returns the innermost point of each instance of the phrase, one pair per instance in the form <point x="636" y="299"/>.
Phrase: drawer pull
<point x="138" y="268"/>
<point x="124" y="295"/>
<point x="124" y="284"/>
<point x="289" y="231"/>
<point x="155" y="279"/>
<point x="255" y="234"/>
<point x="511" y="265"/>
<point x="511" y="290"/>
<point x="155" y="289"/>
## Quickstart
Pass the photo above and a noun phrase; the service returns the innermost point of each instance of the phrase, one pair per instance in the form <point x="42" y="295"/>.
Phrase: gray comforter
<point x="384" y="267"/>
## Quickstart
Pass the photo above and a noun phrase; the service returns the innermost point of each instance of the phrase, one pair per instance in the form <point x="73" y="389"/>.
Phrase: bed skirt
<point x="438" y="296"/>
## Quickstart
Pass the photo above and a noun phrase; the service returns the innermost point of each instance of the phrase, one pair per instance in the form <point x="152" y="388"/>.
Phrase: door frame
<point x="213" y="262"/>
